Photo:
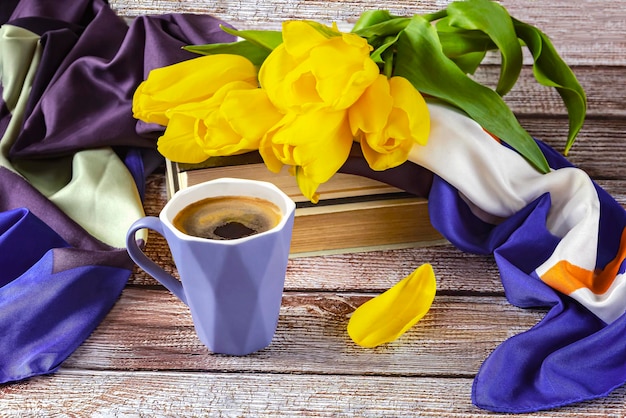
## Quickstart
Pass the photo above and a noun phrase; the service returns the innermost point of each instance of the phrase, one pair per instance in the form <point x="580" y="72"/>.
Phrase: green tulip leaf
<point x="459" y="43"/>
<point x="466" y="48"/>
<point x="382" y="33"/>
<point x="469" y="63"/>
<point x="378" y="54"/>
<point x="268" y="39"/>
<point x="370" y="18"/>
<point x="251" y="51"/>
<point x="382" y="30"/>
<point x="421" y="60"/>
<point x="491" y="18"/>
<point x="550" y="70"/>
<point x="255" y="46"/>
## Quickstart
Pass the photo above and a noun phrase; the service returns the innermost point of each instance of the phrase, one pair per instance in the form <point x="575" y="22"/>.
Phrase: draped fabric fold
<point x="72" y="166"/>
<point x="71" y="92"/>
<point x="57" y="282"/>
<point x="558" y="242"/>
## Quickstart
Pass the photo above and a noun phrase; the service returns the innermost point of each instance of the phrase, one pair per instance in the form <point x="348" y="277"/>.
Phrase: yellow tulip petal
<point x="300" y="36"/>
<point x="389" y="315"/>
<point x="272" y="76"/>
<point x="370" y="112"/>
<point x="307" y="186"/>
<point x="179" y="143"/>
<point x="318" y="141"/>
<point x="388" y="119"/>
<point x="193" y="80"/>
<point x="386" y="159"/>
<point x="146" y="109"/>
<point x="220" y="139"/>
<point x="199" y="78"/>
<point x="250" y="113"/>
<point x="230" y="122"/>
<point x="316" y="66"/>
<point x="407" y="98"/>
<point x="316" y="144"/>
<point x="267" y="149"/>
<point x="398" y="129"/>
<point x="343" y="71"/>
<point x="390" y="148"/>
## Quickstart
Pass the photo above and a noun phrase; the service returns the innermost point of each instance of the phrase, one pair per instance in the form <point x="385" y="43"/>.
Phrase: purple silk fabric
<point x="409" y="177"/>
<point x="91" y="64"/>
<point x="57" y="282"/>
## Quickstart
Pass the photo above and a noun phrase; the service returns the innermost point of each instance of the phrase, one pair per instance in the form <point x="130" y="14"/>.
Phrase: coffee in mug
<point x="227" y="217"/>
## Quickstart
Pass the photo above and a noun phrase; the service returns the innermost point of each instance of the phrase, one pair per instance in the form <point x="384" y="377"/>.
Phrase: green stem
<point x="387" y="57"/>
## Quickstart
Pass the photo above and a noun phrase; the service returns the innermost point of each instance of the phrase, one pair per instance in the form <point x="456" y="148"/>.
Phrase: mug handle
<point x="153" y="269"/>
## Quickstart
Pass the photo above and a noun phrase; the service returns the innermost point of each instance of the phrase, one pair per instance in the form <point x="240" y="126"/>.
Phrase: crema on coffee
<point x="227" y="217"/>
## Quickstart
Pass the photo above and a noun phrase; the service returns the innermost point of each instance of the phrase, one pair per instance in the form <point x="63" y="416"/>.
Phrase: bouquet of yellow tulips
<point x="303" y="95"/>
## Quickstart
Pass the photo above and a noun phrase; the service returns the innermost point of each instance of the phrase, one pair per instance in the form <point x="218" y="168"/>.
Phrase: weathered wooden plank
<point x="589" y="32"/>
<point x="598" y="150"/>
<point x="70" y="393"/>
<point x="602" y="85"/>
<point x="151" y="330"/>
<point x="617" y="189"/>
<point x="376" y="271"/>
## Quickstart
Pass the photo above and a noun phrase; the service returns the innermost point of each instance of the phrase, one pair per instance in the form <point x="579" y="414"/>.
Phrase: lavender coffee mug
<point x="233" y="286"/>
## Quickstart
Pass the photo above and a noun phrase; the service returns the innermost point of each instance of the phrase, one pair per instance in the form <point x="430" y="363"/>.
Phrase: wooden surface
<point x="145" y="359"/>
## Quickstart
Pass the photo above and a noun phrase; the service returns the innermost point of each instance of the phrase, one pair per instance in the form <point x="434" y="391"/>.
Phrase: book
<point x="250" y="166"/>
<point x="354" y="214"/>
<point x="397" y="220"/>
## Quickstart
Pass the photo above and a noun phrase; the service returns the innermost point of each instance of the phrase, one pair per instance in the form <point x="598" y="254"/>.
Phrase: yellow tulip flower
<point x="317" y="66"/>
<point x="388" y="119"/>
<point x="189" y="81"/>
<point x="316" y="144"/>
<point x="232" y="121"/>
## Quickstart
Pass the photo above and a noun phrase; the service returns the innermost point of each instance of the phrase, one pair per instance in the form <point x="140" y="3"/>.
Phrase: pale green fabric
<point x="19" y="57"/>
<point x="93" y="187"/>
<point x="101" y="195"/>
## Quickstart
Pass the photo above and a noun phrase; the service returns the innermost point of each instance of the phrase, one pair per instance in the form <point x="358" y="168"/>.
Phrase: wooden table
<point x="145" y="359"/>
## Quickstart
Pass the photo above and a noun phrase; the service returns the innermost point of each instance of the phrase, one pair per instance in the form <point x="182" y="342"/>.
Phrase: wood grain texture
<point x="152" y="330"/>
<point x="77" y="393"/>
<point x="585" y="32"/>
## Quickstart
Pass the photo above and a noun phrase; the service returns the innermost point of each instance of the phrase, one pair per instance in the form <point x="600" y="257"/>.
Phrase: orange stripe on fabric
<point x="566" y="277"/>
<point x="493" y="136"/>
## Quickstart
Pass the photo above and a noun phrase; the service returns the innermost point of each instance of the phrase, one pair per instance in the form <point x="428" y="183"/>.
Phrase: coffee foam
<point x="227" y="217"/>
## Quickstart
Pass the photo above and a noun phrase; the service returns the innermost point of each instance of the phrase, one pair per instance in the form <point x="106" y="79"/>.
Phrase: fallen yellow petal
<point x="389" y="315"/>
